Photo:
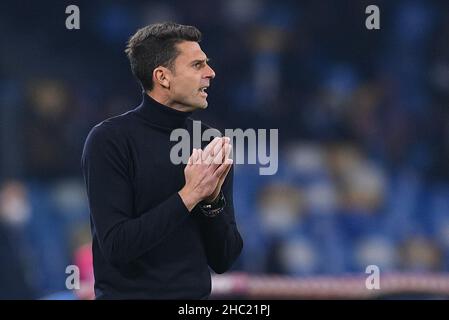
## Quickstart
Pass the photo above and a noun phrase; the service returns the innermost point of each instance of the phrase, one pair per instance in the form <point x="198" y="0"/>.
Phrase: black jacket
<point x="146" y="245"/>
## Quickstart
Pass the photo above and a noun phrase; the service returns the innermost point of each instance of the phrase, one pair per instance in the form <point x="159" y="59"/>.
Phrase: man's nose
<point x="210" y="72"/>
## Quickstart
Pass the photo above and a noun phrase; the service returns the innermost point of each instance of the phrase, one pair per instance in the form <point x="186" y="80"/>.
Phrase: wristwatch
<point x="215" y="208"/>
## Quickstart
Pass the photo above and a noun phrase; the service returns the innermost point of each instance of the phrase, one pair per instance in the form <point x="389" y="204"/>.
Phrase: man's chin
<point x="198" y="104"/>
<point x="203" y="105"/>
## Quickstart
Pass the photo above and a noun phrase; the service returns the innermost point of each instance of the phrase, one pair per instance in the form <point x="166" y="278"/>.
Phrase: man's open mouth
<point x="203" y="90"/>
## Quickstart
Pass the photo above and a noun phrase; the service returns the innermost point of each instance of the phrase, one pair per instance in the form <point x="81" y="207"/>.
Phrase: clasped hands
<point x="205" y="172"/>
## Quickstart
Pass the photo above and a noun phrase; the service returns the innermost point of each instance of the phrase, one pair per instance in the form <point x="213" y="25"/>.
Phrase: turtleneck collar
<point x="161" y="115"/>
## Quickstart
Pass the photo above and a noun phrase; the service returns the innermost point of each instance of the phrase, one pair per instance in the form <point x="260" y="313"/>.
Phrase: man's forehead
<point x="190" y="51"/>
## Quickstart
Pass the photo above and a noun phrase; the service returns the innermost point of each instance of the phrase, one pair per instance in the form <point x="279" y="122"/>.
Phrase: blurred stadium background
<point x="363" y="119"/>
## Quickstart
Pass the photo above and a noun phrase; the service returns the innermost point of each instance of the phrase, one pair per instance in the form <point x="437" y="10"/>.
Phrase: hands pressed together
<point x="205" y="172"/>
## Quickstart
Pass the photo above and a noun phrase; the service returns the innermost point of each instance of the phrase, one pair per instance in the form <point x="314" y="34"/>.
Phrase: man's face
<point x="191" y="76"/>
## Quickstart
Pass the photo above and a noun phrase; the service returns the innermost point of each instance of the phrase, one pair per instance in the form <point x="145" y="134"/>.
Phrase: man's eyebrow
<point x="200" y="60"/>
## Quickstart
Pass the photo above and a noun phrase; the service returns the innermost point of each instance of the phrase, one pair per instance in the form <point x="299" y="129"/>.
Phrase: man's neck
<point x="166" y="101"/>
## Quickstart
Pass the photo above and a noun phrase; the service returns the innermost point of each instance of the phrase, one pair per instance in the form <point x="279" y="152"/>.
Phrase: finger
<point x="191" y="159"/>
<point x="219" y="154"/>
<point x="224" y="174"/>
<point x="215" y="155"/>
<point x="228" y="150"/>
<point x="198" y="156"/>
<point x="229" y="166"/>
<point x="218" y="149"/>
<point x="221" y="157"/>
<point x="208" y="159"/>
<point x="223" y="168"/>
<point x="227" y="142"/>
<point x="211" y="146"/>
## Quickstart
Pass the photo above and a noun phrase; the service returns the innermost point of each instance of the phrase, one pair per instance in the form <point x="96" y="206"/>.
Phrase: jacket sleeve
<point x="122" y="238"/>
<point x="220" y="235"/>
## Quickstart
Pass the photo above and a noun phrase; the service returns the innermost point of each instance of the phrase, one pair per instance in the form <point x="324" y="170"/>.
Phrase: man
<point x="157" y="226"/>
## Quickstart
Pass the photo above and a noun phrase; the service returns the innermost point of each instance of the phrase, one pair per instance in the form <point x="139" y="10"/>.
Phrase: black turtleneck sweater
<point x="146" y="244"/>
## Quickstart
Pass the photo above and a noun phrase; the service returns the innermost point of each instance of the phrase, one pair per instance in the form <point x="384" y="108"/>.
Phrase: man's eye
<point x="198" y="65"/>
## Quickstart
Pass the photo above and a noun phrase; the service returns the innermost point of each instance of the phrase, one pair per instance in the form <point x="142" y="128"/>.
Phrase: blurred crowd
<point x="363" y="119"/>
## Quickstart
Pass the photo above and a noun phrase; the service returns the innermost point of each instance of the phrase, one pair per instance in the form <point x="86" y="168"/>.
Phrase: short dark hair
<point x="155" y="45"/>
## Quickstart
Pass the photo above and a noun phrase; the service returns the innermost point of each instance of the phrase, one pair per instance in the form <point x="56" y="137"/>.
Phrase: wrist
<point x="189" y="198"/>
<point x="212" y="199"/>
<point x="215" y="208"/>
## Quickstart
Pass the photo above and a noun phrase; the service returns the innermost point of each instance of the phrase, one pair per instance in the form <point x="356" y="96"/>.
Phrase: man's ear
<point x="162" y="76"/>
